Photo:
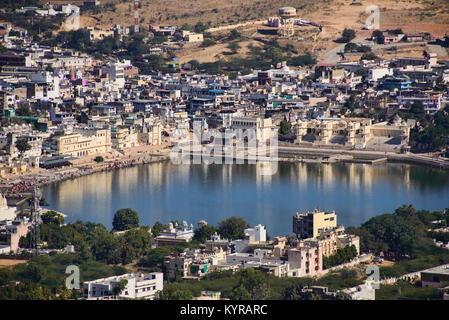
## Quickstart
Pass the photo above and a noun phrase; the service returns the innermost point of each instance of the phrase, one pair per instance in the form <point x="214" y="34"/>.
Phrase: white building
<point x="138" y="286"/>
<point x="6" y="213"/>
<point x="361" y="292"/>
<point x="177" y="232"/>
<point x="50" y="81"/>
<point x="116" y="73"/>
<point x="256" y="234"/>
<point x="375" y="74"/>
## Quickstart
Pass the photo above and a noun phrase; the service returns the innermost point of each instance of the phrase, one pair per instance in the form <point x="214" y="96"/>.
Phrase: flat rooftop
<point x="444" y="269"/>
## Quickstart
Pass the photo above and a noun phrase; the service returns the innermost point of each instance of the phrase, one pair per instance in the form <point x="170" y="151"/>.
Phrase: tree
<point x="99" y="159"/>
<point x="393" y="230"/>
<point x="378" y="36"/>
<point x="240" y="293"/>
<point x="208" y="43"/>
<point x="255" y="283"/>
<point x="303" y="60"/>
<point x="234" y="34"/>
<point x="234" y="46"/>
<point x="417" y="110"/>
<point x="369" y="56"/>
<point x="157" y="228"/>
<point x="125" y="219"/>
<point x="204" y="233"/>
<point x="32" y="272"/>
<point x="52" y="217"/>
<point x="347" y="35"/>
<point x="119" y="287"/>
<point x="22" y="145"/>
<point x="175" y="294"/>
<point x="24" y="111"/>
<point x="135" y="243"/>
<point x="194" y="64"/>
<point x="200" y="27"/>
<point x="233" y="228"/>
<point x="285" y="127"/>
<point x="187" y="27"/>
<point x="274" y="54"/>
<point x="5" y="276"/>
<point x="105" y="247"/>
<point x="351" y="47"/>
<point x="24" y="242"/>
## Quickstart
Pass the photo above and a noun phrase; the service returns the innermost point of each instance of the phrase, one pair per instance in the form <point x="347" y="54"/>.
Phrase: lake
<point x="164" y="191"/>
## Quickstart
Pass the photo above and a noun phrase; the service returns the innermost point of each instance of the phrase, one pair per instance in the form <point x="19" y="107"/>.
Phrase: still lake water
<point x="164" y="191"/>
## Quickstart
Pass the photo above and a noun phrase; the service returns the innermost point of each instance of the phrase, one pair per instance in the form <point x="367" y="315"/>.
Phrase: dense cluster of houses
<point x="69" y="104"/>
<point x="320" y="237"/>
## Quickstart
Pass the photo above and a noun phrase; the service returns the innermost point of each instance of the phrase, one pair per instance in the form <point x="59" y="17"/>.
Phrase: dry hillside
<point x="334" y="15"/>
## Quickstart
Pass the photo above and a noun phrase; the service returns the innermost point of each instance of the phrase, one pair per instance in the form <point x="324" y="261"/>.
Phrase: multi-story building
<point x="123" y="138"/>
<point x="263" y="127"/>
<point x="305" y="260"/>
<point x="193" y="263"/>
<point x="12" y="230"/>
<point x="310" y="224"/>
<point x="351" y="132"/>
<point x="84" y="142"/>
<point x="98" y="34"/>
<point x="138" y="286"/>
<point x="175" y="234"/>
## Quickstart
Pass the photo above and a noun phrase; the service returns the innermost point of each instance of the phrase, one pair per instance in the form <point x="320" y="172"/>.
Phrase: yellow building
<point x="98" y="34"/>
<point x="85" y="142"/>
<point x="310" y="224"/>
<point x="191" y="36"/>
<point x="123" y="138"/>
<point x="351" y="131"/>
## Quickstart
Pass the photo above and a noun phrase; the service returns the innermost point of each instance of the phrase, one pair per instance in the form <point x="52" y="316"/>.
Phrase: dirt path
<point x="10" y="263"/>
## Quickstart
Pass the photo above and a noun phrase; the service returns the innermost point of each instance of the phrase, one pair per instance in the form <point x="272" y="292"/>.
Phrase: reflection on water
<point x="164" y="191"/>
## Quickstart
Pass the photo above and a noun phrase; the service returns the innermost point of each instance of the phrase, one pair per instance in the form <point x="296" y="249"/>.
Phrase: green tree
<point x="5" y="276"/>
<point x="369" y="56"/>
<point x="208" y="43"/>
<point x="175" y="294"/>
<point x="285" y="127"/>
<point x="99" y="159"/>
<point x="187" y="27"/>
<point x="240" y="293"/>
<point x="119" y="287"/>
<point x="125" y="219"/>
<point x="347" y="35"/>
<point x="304" y="60"/>
<point x="233" y="228"/>
<point x="256" y="284"/>
<point x="417" y="110"/>
<point x="52" y="217"/>
<point x="135" y="243"/>
<point x="378" y="36"/>
<point x="32" y="272"/>
<point x="22" y="145"/>
<point x="157" y="228"/>
<point x="24" y="111"/>
<point x="200" y="27"/>
<point x="204" y="233"/>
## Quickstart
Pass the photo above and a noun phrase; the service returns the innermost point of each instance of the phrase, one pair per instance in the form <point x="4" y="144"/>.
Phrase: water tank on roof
<point x="287" y="12"/>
